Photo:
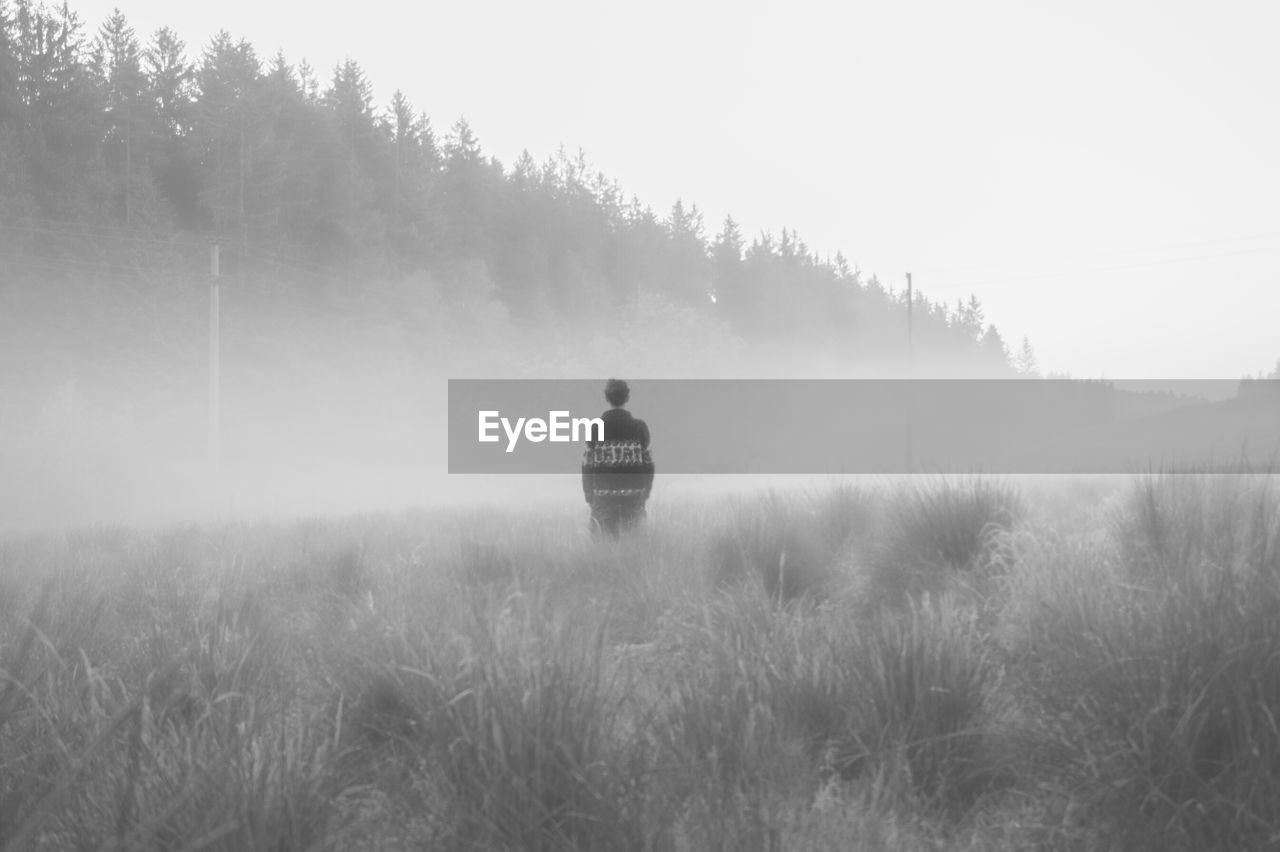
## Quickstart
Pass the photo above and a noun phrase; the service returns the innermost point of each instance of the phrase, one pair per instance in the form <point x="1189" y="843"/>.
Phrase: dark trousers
<point x="612" y="515"/>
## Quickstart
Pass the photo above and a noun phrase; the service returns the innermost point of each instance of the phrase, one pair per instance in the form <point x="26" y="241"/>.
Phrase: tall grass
<point x="94" y="761"/>
<point x="1155" y="672"/>
<point x="795" y="546"/>
<point x="922" y="708"/>
<point x="535" y="757"/>
<point x="935" y="532"/>
<point x="516" y="722"/>
<point x="904" y="700"/>
<point x="792" y="672"/>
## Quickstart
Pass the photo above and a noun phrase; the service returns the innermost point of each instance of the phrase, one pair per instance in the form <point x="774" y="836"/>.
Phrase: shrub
<point x="923" y="689"/>
<point x="936" y="530"/>
<point x="1173" y="526"/>
<point x="792" y="547"/>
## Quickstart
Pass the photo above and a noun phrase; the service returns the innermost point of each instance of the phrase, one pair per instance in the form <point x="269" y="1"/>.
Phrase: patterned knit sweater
<point x="620" y="466"/>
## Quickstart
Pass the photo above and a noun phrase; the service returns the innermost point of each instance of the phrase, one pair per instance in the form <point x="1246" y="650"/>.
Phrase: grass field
<point x="951" y="664"/>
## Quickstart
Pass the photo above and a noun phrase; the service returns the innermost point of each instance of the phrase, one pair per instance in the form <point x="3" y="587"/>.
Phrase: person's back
<point x="620" y="425"/>
<point x="617" y="472"/>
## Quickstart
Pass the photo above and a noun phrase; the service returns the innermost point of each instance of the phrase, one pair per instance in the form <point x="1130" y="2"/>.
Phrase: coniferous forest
<point x="122" y="156"/>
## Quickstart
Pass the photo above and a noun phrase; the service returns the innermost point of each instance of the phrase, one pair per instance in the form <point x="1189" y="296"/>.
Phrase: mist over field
<point x="324" y="407"/>
<point x="364" y="259"/>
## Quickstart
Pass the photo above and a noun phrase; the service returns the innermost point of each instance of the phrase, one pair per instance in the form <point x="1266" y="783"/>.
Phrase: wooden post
<point x="909" y="306"/>
<point x="911" y="374"/>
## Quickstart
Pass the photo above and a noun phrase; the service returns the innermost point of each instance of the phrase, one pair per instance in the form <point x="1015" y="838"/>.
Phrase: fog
<point x="325" y="408"/>
<point x="332" y="409"/>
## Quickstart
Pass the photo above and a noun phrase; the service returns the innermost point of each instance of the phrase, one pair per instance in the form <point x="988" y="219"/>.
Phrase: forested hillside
<point x="123" y="157"/>
<point x="366" y="256"/>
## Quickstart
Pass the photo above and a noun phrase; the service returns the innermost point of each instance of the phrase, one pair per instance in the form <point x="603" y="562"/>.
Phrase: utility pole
<point x="215" y="450"/>
<point x="909" y="304"/>
<point x="911" y="372"/>
<point x="244" y="228"/>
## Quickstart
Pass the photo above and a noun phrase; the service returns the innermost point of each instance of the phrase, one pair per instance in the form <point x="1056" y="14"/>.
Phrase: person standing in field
<point x="617" y="472"/>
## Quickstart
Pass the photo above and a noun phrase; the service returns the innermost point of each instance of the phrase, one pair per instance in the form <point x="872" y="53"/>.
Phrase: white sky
<point x="1103" y="174"/>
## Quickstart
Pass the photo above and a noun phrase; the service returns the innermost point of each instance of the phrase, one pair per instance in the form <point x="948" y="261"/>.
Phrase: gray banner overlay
<point x="882" y="426"/>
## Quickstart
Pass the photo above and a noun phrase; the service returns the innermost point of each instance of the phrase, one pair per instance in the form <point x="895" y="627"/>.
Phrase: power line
<point x="93" y="232"/>
<point x="274" y="261"/>
<point x="60" y="265"/>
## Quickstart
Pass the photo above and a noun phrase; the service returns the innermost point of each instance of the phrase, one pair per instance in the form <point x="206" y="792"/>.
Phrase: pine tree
<point x="116" y="61"/>
<point x="726" y="264"/>
<point x="524" y="172"/>
<point x="223" y="133"/>
<point x="467" y="205"/>
<point x="461" y="148"/>
<point x="763" y="248"/>
<point x="61" y="107"/>
<point x="1025" y="361"/>
<point x="281" y="151"/>
<point x="169" y="93"/>
<point x="969" y="319"/>
<point x="842" y="270"/>
<point x="32" y="42"/>
<point x="687" y="274"/>
<point x="169" y="80"/>
<point x="995" y="353"/>
<point x="350" y="97"/>
<point x="415" y="161"/>
<point x="280" y="73"/>
<point x="307" y="82"/>
<point x="684" y="225"/>
<point x="726" y="250"/>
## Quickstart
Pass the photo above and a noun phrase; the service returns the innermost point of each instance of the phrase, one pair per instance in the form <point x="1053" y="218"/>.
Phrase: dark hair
<point x="617" y="392"/>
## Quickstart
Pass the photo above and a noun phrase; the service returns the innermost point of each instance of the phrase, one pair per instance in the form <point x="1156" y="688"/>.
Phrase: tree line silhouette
<point x="121" y="159"/>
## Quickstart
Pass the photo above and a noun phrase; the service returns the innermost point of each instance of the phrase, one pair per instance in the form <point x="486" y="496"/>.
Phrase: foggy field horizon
<point x="636" y="223"/>
<point x="390" y="218"/>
